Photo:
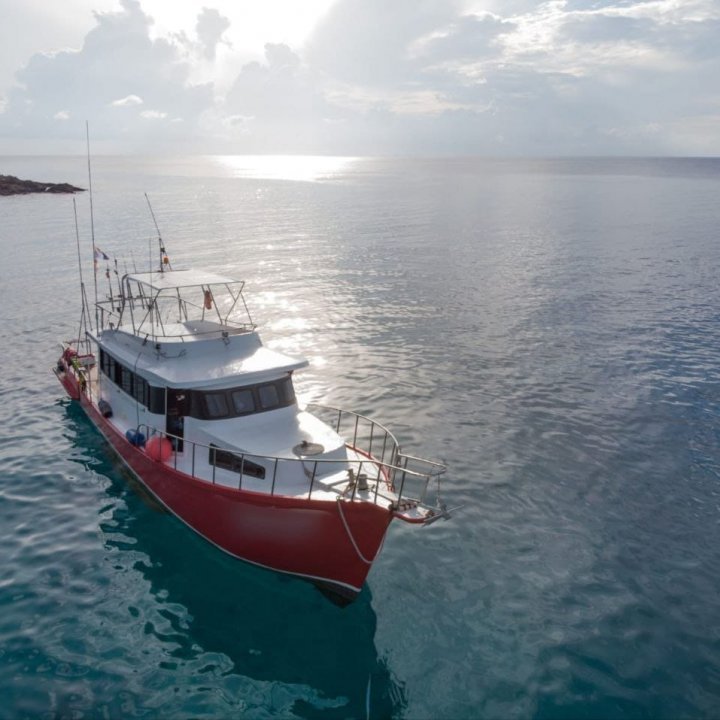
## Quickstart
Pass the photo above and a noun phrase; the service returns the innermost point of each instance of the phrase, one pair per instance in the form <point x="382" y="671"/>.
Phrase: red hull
<point x="302" y="537"/>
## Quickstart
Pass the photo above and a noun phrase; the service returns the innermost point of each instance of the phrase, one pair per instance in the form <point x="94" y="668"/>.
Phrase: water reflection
<point x="272" y="642"/>
<point x="302" y="168"/>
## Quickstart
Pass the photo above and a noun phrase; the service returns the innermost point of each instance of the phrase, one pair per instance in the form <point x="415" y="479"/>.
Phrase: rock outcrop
<point x="10" y="185"/>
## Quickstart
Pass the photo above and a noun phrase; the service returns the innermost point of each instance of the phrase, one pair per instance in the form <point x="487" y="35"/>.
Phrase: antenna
<point x="164" y="259"/>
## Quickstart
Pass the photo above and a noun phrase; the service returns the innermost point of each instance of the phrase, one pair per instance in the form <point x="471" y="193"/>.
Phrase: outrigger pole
<point x="92" y="225"/>
<point x="83" y="296"/>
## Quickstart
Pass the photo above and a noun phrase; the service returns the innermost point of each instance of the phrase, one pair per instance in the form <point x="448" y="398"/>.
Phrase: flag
<point x="98" y="254"/>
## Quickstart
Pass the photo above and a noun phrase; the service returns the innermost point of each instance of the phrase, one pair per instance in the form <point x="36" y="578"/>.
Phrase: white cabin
<point x="179" y="352"/>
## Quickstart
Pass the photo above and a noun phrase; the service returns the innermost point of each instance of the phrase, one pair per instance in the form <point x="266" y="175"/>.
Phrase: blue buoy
<point x="135" y="438"/>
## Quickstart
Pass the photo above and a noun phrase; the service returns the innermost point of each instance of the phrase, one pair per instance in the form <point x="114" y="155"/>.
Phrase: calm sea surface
<point x="548" y="328"/>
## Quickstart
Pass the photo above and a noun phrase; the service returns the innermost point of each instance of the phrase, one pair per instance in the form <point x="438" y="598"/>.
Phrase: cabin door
<point x="175" y="417"/>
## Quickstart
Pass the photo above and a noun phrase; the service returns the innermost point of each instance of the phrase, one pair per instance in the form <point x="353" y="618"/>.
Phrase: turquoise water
<point x="547" y="328"/>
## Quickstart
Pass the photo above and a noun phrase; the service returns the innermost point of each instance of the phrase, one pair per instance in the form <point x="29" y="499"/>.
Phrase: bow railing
<point x="374" y="470"/>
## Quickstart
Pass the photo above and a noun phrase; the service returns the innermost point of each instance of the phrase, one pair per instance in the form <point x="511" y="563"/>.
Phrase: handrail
<point x="382" y="470"/>
<point x="112" y="319"/>
<point x="340" y="412"/>
<point x="153" y="431"/>
<point x="441" y="468"/>
<point x="356" y="420"/>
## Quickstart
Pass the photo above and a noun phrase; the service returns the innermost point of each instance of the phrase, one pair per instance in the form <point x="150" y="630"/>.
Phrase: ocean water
<point x="548" y="328"/>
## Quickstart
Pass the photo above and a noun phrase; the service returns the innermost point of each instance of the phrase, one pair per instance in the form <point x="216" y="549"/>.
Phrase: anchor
<point x="444" y="513"/>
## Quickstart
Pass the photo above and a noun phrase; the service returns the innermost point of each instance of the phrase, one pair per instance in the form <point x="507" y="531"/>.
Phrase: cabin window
<point x="127" y="377"/>
<point x="269" y="396"/>
<point x="156" y="400"/>
<point x="236" y="402"/>
<point x="105" y="360"/>
<point x="133" y="384"/>
<point x="117" y="376"/>
<point x="140" y="390"/>
<point x="216" y="405"/>
<point x="287" y="392"/>
<point x="226" y="460"/>
<point x="243" y="401"/>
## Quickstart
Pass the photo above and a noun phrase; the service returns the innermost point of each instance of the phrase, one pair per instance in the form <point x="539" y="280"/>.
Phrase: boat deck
<point x="309" y="482"/>
<point x="359" y="477"/>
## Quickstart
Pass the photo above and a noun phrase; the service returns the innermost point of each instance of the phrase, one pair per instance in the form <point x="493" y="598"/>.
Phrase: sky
<point x="361" y="77"/>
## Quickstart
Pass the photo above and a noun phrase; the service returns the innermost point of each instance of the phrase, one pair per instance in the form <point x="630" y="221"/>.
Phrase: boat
<point x="174" y="375"/>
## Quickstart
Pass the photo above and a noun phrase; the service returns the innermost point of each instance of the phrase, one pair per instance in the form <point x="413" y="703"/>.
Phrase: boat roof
<point x="171" y="279"/>
<point x="203" y="371"/>
<point x="275" y="434"/>
<point x="243" y="360"/>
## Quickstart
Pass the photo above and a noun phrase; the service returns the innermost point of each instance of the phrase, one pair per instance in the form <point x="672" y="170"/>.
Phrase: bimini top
<point x="171" y="279"/>
<point x="177" y="305"/>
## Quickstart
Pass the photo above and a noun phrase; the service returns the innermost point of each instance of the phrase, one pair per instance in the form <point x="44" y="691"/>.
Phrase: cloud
<point x="468" y="37"/>
<point x="127" y="101"/>
<point x="272" y="89"/>
<point x="153" y="114"/>
<point x="369" y="42"/>
<point x="551" y="78"/>
<point x="210" y="27"/>
<point x="277" y="105"/>
<point x="405" y="77"/>
<point x="117" y="69"/>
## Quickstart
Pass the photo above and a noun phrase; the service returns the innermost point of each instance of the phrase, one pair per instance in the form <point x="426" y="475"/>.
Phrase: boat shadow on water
<point x="271" y="628"/>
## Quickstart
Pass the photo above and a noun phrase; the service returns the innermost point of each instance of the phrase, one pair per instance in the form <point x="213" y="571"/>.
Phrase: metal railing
<point x="111" y="317"/>
<point x="367" y="435"/>
<point x="361" y="433"/>
<point x="371" y="478"/>
<point x="150" y="311"/>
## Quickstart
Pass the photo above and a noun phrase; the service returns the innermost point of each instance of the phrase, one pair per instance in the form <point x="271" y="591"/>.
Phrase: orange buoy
<point x="158" y="448"/>
<point x="208" y="300"/>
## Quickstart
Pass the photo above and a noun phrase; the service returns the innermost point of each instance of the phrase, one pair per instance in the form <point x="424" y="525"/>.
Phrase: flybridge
<point x="181" y="305"/>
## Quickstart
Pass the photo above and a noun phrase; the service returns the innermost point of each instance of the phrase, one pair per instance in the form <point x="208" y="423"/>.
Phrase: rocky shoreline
<point x="10" y="185"/>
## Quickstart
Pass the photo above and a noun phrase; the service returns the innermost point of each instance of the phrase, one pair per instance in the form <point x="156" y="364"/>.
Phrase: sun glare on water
<point x="303" y="168"/>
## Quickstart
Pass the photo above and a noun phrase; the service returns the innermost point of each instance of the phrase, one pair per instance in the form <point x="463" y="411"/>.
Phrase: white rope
<point x="349" y="534"/>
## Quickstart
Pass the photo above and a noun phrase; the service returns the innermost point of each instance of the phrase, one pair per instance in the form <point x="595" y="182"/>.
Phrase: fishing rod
<point x="117" y="280"/>
<point x="164" y="259"/>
